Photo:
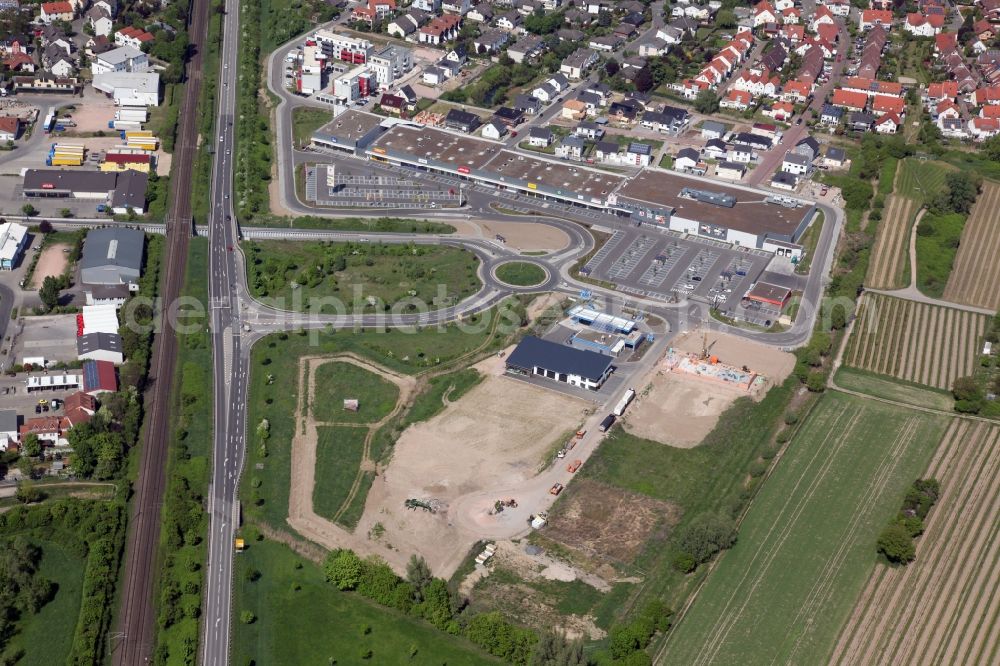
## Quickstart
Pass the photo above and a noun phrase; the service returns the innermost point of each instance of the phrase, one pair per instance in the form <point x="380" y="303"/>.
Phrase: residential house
<point x="808" y="147"/>
<point x="625" y="111"/>
<point x="509" y="21"/>
<point x="545" y="92"/>
<point x="875" y="17"/>
<point x="9" y="426"/>
<point x="490" y="42"/>
<point x="133" y="37"/>
<point x="764" y="13"/>
<point x="56" y="11"/>
<point x="860" y="121"/>
<point x="953" y="128"/>
<point x="509" y="116"/>
<point x="456" y="7"/>
<point x="495" y="130"/>
<point x="540" y="137"/>
<point x="715" y="149"/>
<point x="571" y="148"/>
<point x="527" y="104"/>
<point x="888" y="123"/>
<point x="831" y="115"/>
<point x="834" y="158"/>
<point x="672" y="120"/>
<point x="440" y="30"/>
<point x="752" y="140"/>
<point x="393" y="104"/>
<point x="654" y="48"/>
<point x="795" y="164"/>
<point x="849" y="99"/>
<point x="62" y="66"/>
<point x="526" y="49"/>
<point x="738" y="100"/>
<point x="591" y="101"/>
<point x="687" y="160"/>
<point x="796" y="91"/>
<point x="406" y="26"/>
<point x="577" y="63"/>
<point x="981" y="129"/>
<point x="606" y="43"/>
<point x="462" y="121"/>
<point x="100" y="21"/>
<point x="780" y="111"/>
<point x="589" y="130"/>
<point x="429" y="6"/>
<point x="922" y="25"/>
<point x="123" y="59"/>
<point x="711" y="129"/>
<point x="740" y="153"/>
<point x="782" y="180"/>
<point x="481" y="13"/>
<point x="730" y="170"/>
<point x="10" y="130"/>
<point x="888" y="104"/>
<point x="574" y="109"/>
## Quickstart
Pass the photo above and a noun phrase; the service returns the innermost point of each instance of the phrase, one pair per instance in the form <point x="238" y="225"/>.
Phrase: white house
<point x="124" y="59"/>
<point x="730" y="170"/>
<point x="795" y="164"/>
<point x="540" y="137"/>
<point x="130" y="88"/>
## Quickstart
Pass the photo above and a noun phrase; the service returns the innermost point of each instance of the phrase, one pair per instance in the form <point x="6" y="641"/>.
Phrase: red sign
<point x="463" y="169"/>
<point x="48" y="186"/>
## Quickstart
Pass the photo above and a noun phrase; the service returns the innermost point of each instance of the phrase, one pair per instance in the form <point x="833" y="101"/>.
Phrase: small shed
<point x="351" y="404"/>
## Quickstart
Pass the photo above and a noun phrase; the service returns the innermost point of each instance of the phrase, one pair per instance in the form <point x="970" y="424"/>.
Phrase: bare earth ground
<point x="480" y="442"/>
<point x="52" y="262"/>
<point x="974" y="278"/>
<point x="680" y="410"/>
<point x="92" y="112"/>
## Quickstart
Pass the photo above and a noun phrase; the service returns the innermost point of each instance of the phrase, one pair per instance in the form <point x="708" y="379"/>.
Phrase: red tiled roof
<point x="849" y="98"/>
<point x="888" y="104"/>
<point x="57" y="8"/>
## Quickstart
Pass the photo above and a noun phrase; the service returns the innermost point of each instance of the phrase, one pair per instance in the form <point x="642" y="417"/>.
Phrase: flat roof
<point x="751" y="214"/>
<point x="351" y="125"/>
<point x="534" y="352"/>
<point x="598" y="337"/>
<point x="769" y="293"/>
<point x="434" y="144"/>
<point x="566" y="178"/>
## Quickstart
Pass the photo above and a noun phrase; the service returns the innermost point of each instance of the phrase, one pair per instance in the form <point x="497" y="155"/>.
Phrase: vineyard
<point x="975" y="279"/>
<point x="806" y="547"/>
<point x="915" y="342"/>
<point x="943" y="608"/>
<point x="917" y="181"/>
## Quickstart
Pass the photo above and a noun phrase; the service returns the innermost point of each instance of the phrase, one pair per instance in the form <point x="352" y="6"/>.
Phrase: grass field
<point x="944" y="607"/>
<point x="916" y="342"/>
<point x="863" y="381"/>
<point x="361" y="277"/>
<point x="921" y="179"/>
<point x="316" y="624"/>
<point x="46" y="636"/>
<point x="808" y="542"/>
<point x="520" y="274"/>
<point x="305" y="121"/>
<point x="975" y="279"/>
<point x="938" y="238"/>
<point x="338" y="455"/>
<point x="337" y="381"/>
<point x="273" y="390"/>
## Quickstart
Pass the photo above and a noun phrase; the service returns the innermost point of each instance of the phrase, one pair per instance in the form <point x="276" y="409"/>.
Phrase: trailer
<point x="47" y="123"/>
<point x="124" y="126"/>
<point x="143" y="142"/>
<point x="137" y="134"/>
<point x="67" y="148"/>
<point x="64" y="160"/>
<point x="623" y="403"/>
<point x="608" y="421"/>
<point x="131" y="113"/>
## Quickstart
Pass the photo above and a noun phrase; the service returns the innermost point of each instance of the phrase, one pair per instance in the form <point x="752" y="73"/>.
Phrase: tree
<point x="343" y="568"/>
<point x="643" y="80"/>
<point x="725" y="19"/>
<point x="49" y="293"/>
<point x="28" y="493"/>
<point x="706" y="102"/>
<point x="991" y="148"/>
<point x="29" y="210"/>
<point x="45" y="227"/>
<point x="418" y="574"/>
<point x="32" y="445"/>
<point x="968" y="395"/>
<point x="706" y="535"/>
<point x="896" y="544"/>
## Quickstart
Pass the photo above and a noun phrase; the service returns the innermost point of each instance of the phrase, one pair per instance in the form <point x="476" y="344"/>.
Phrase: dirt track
<point x="51" y="263"/>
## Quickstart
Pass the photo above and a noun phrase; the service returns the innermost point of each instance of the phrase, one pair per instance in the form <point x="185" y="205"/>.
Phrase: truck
<point x="66" y="148"/>
<point x="133" y="113"/>
<point x="608" y="421"/>
<point x="623" y="403"/>
<point x="136" y="134"/>
<point x="64" y="160"/>
<point x="47" y="123"/>
<point x="124" y="125"/>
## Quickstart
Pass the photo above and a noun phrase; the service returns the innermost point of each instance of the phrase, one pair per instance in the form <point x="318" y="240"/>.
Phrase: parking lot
<point x="14" y="396"/>
<point x="52" y="337"/>
<point x="658" y="263"/>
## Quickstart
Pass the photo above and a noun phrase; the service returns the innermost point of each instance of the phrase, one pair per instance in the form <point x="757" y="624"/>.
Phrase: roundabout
<point x="520" y="274"/>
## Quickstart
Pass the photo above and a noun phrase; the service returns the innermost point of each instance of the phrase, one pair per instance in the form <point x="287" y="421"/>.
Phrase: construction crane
<point x="705" y="347"/>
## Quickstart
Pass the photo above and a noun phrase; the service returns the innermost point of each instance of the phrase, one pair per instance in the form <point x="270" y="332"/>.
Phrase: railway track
<point x="136" y="630"/>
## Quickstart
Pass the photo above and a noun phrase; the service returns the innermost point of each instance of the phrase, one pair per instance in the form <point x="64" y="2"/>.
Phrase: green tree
<point x="27" y="493"/>
<point x="706" y="102"/>
<point x="725" y="19"/>
<point x="706" y="535"/>
<point x="343" y="568"/>
<point x="49" y="293"/>
<point x="28" y="210"/>
<point x="418" y="574"/>
<point x="968" y="395"/>
<point x="896" y="544"/>
<point x="32" y="445"/>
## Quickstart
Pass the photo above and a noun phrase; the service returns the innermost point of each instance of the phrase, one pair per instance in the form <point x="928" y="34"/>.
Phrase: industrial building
<point x="770" y="294"/>
<point x="122" y="191"/>
<point x="130" y="88"/>
<point x="352" y="131"/>
<point x="13" y="240"/>
<point x="112" y="256"/>
<point x="99" y="377"/>
<point x="576" y="367"/>
<point x="100" y="347"/>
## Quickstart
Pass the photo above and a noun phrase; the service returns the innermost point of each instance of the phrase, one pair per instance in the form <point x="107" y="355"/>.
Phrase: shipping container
<point x="64" y="160"/>
<point x="623" y="403"/>
<point x="135" y="113"/>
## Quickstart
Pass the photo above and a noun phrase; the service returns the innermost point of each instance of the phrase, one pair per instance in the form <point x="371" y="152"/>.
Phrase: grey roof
<point x="114" y="246"/>
<point x="716" y="143"/>
<point x="460" y="117"/>
<point x="574" y="141"/>
<point x="540" y="133"/>
<point x="810" y="143"/>
<point x="69" y="181"/>
<point x="713" y="126"/>
<point x="8" y="420"/>
<point x="832" y="111"/>
<point x="590" y="98"/>
<point x="92" y="342"/>
<point x="835" y="153"/>
<point x="120" y="55"/>
<point x="640" y="148"/>
<point x="748" y="139"/>
<point x="738" y="166"/>
<point x="130" y="190"/>
<point x="796" y="158"/>
<point x="535" y="352"/>
<point x="606" y="147"/>
<point x="689" y="153"/>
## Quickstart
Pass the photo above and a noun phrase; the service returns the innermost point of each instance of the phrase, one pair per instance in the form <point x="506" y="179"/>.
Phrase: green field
<point x="807" y="545"/>
<point x="339" y="452"/>
<point x="921" y="179"/>
<point x="305" y="121"/>
<point x="938" y="238"/>
<point x="862" y="381"/>
<point x="336" y="278"/>
<point x="46" y="636"/>
<point x="337" y="381"/>
<point x="317" y="625"/>
<point x="520" y="274"/>
<point x="273" y="390"/>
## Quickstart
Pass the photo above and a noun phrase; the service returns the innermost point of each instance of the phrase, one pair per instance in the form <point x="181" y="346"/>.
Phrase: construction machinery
<point x="419" y="504"/>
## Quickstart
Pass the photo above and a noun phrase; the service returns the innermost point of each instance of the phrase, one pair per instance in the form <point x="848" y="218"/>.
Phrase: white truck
<point x="623" y="403"/>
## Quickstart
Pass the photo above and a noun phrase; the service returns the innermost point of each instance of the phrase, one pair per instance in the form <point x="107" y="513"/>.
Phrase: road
<point x="137" y="616"/>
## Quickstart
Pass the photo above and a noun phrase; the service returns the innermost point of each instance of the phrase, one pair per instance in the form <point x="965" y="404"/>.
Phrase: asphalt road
<point x="137" y="616"/>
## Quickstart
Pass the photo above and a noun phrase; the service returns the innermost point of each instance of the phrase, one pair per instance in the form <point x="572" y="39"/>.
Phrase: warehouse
<point x="122" y="191"/>
<point x="577" y="367"/>
<point x="100" y="347"/>
<point x="13" y="240"/>
<point x="99" y="377"/>
<point x="97" y="319"/>
<point x="112" y="256"/>
<point x="130" y="88"/>
<point x="352" y="131"/>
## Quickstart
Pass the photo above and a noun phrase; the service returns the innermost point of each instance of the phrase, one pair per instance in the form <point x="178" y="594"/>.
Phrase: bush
<point x="247" y="617"/>
<point x="706" y="535"/>
<point x="685" y="563"/>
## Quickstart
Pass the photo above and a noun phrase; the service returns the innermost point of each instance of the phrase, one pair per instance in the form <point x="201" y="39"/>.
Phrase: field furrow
<point x="891" y="244"/>
<point x="976" y="273"/>
<point x="943" y="608"/>
<point x="905" y="358"/>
